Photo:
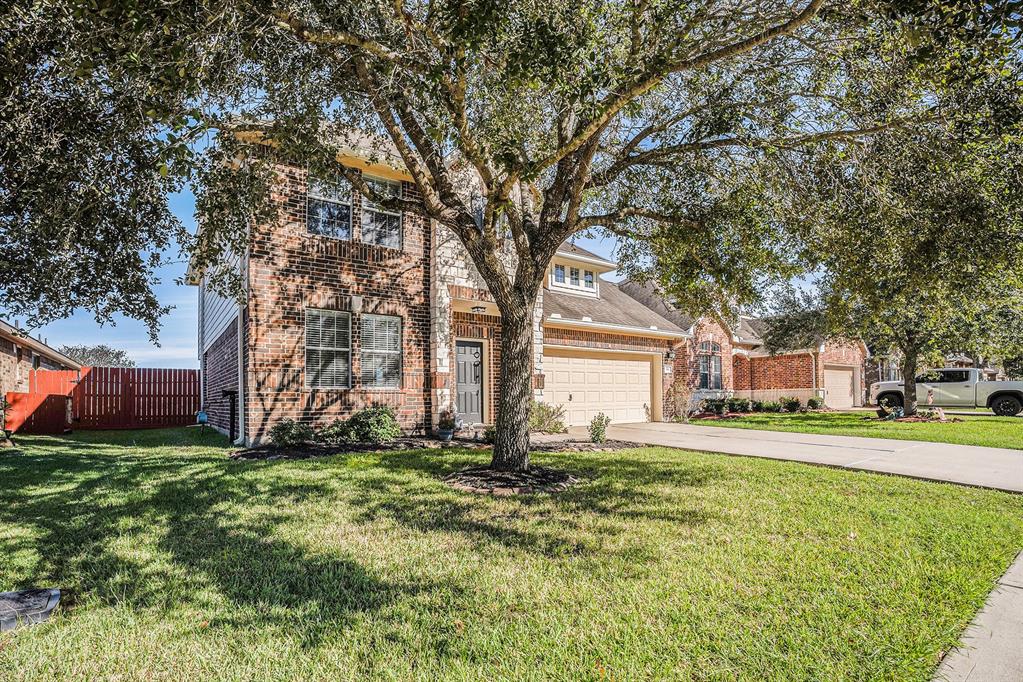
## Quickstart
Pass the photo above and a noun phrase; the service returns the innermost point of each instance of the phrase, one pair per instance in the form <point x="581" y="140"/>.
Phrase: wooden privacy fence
<point x="105" y="398"/>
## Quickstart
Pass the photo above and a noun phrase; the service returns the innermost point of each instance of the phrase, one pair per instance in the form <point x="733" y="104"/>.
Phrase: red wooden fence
<point x="106" y="398"/>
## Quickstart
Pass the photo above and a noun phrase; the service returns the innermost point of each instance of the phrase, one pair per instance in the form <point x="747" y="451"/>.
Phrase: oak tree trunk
<point x="511" y="444"/>
<point x="909" y="400"/>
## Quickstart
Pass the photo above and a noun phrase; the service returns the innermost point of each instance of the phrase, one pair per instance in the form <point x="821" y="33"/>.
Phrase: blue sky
<point x="178" y="331"/>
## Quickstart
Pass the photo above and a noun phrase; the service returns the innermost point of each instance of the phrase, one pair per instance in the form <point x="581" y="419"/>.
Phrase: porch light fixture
<point x="478" y="309"/>
<point x="670" y="355"/>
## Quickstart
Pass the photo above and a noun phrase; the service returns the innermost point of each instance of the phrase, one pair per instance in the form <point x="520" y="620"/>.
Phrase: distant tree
<point x="100" y="355"/>
<point x="920" y="246"/>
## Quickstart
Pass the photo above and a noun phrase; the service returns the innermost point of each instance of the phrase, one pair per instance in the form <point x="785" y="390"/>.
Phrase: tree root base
<point x="483" y="480"/>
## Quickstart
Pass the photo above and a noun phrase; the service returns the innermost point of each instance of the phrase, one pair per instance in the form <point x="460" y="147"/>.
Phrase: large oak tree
<point x="663" y="122"/>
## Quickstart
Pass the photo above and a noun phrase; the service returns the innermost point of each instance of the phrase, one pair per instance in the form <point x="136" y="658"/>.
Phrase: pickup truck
<point x="955" y="387"/>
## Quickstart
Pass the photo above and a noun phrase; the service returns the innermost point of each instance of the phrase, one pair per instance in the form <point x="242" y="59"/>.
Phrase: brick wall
<point x="14" y="367"/>
<point x="290" y="270"/>
<point x="710" y="330"/>
<point x="781" y="372"/>
<point x="741" y="374"/>
<point x="220" y="373"/>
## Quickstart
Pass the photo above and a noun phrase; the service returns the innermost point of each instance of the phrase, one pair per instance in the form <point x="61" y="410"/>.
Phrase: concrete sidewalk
<point x="999" y="468"/>
<point x="991" y="649"/>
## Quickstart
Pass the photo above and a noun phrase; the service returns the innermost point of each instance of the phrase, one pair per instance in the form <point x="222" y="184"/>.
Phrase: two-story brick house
<point x="349" y="306"/>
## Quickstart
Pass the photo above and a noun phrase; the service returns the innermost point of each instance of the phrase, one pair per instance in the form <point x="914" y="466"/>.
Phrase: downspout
<point x="243" y="265"/>
<point x="202" y="369"/>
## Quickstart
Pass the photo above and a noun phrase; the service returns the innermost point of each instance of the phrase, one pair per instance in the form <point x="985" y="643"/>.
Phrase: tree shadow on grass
<point x="615" y="492"/>
<point x="141" y="523"/>
<point x="168" y="532"/>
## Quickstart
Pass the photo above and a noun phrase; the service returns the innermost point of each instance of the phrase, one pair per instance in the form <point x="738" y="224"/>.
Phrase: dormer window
<point x="576" y="279"/>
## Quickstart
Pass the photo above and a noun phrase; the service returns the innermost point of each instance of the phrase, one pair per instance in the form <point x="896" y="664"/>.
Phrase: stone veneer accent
<point x="290" y="270"/>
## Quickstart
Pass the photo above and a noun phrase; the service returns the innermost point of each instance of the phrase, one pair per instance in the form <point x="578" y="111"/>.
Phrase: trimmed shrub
<point x="490" y="434"/>
<point x="546" y="418"/>
<point x="375" y="424"/>
<point x="598" y="427"/>
<point x="791" y="404"/>
<point x="338" y="432"/>
<point x="757" y="405"/>
<point x="740" y="405"/>
<point x="771" y="406"/>
<point x="717" y="406"/>
<point x="814" y="403"/>
<point x="288" y="433"/>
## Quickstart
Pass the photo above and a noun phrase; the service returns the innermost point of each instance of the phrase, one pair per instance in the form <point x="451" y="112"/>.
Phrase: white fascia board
<point x="615" y="328"/>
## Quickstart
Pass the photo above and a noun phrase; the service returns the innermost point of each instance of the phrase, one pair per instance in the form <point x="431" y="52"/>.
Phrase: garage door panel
<point x="585" y="386"/>
<point x="839" y="386"/>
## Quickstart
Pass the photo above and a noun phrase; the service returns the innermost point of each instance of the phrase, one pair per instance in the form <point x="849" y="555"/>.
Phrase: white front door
<point x="586" y="385"/>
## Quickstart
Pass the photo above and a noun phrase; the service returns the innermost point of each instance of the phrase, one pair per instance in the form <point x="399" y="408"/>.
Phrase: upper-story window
<point x="709" y="365"/>
<point x="573" y="278"/>
<point x="329" y="208"/>
<point x="381" y="226"/>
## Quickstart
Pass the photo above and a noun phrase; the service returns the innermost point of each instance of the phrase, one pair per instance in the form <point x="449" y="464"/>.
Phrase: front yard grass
<point x="990" y="431"/>
<point x="663" y="564"/>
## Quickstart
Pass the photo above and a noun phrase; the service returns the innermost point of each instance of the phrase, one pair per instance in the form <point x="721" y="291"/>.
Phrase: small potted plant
<point x="446" y="425"/>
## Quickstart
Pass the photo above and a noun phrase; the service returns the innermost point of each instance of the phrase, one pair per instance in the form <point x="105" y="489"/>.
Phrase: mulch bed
<point x="272" y="452"/>
<point x="486" y="481"/>
<point x="916" y="419"/>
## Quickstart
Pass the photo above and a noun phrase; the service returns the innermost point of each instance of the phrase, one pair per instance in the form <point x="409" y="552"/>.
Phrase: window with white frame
<point x="328" y="348"/>
<point x="380" y="354"/>
<point x="709" y="364"/>
<point x="329" y="208"/>
<point x="381" y="226"/>
<point x="575" y="279"/>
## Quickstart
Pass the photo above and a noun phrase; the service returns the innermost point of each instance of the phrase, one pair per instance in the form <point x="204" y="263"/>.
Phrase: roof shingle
<point x="613" y="307"/>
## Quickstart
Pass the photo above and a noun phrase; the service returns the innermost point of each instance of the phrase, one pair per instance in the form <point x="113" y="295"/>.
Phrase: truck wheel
<point x="1006" y="406"/>
<point x="894" y="399"/>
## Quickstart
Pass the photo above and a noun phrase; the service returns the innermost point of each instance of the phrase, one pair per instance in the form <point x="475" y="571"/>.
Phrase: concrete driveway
<point x="998" y="468"/>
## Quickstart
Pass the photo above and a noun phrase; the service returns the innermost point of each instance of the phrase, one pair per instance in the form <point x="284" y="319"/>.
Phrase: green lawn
<point x="997" y="432"/>
<point x="665" y="563"/>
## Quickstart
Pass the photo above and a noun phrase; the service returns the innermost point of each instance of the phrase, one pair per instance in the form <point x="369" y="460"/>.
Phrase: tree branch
<point x="651" y="78"/>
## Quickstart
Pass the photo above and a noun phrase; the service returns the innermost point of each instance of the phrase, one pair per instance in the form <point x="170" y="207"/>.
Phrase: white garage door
<point x="839" y="384"/>
<point x="620" y="388"/>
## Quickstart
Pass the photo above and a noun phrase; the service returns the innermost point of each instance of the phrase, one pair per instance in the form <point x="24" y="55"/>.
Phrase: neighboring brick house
<point x="350" y="306"/>
<point x="834" y="370"/>
<point x="20" y="353"/>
